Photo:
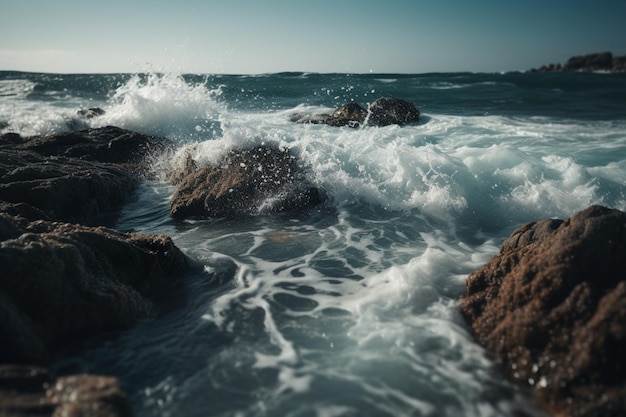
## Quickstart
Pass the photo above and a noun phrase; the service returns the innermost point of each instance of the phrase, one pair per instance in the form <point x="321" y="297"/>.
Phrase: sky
<point x="265" y="36"/>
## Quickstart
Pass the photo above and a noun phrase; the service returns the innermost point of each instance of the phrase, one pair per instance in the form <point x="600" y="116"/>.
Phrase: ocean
<point x="349" y="309"/>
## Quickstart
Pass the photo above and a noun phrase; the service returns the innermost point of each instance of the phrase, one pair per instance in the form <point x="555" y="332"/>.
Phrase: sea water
<point x="350" y="309"/>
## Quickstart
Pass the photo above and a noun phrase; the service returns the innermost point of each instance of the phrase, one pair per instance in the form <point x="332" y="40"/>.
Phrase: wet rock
<point x="602" y="61"/>
<point x="350" y="114"/>
<point x="107" y="144"/>
<point x="31" y="391"/>
<point x="246" y="182"/>
<point x="61" y="279"/>
<point x="551" y="307"/>
<point x="91" y="112"/>
<point x="10" y="138"/>
<point x="63" y="189"/>
<point x="389" y="111"/>
<point x="592" y="62"/>
<point x="382" y="112"/>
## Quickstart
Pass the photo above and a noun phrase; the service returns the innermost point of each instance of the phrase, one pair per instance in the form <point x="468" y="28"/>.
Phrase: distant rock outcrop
<point x="245" y="182"/>
<point x="603" y="61"/>
<point x="551" y="307"/>
<point x="382" y="112"/>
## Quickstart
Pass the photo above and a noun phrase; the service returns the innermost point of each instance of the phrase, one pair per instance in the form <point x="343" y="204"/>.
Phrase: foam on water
<point x="351" y="309"/>
<point x="165" y="105"/>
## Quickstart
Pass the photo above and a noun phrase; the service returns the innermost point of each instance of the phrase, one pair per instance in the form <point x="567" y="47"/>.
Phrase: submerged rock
<point x="382" y="112"/>
<point x="246" y="182"/>
<point x="551" y="307"/>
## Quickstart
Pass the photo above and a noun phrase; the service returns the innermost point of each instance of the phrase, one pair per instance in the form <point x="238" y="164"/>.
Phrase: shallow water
<point x="350" y="309"/>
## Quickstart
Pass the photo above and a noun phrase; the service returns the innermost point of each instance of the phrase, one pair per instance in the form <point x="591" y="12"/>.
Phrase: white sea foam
<point x="354" y="307"/>
<point x="165" y="105"/>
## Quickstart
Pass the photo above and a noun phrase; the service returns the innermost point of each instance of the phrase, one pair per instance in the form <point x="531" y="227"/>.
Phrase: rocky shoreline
<point x="63" y="275"/>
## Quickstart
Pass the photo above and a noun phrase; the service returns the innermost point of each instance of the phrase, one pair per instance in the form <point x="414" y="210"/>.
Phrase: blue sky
<point x="261" y="36"/>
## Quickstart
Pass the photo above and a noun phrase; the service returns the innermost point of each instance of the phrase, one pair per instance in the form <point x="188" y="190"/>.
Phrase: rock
<point x="31" y="391"/>
<point x="91" y="112"/>
<point x="246" y="182"/>
<point x="62" y="279"/>
<point x="10" y="138"/>
<point x="107" y="144"/>
<point x="389" y="111"/>
<point x="88" y="395"/>
<point x="619" y="63"/>
<point x="350" y="114"/>
<point x="551" y="307"/>
<point x="382" y="112"/>
<point x="64" y="189"/>
<point x="603" y="61"/>
<point x="316" y="119"/>
<point x="593" y="62"/>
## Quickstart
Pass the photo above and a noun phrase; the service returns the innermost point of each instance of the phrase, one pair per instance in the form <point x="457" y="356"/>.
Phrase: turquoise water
<point x="351" y="309"/>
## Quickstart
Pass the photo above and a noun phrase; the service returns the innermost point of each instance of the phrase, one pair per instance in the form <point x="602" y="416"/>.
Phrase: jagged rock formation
<point x="245" y="182"/>
<point x="551" y="307"/>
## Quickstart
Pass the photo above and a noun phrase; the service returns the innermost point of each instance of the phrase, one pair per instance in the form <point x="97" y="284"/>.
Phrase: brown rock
<point x="31" y="391"/>
<point x="551" y="307"/>
<point x="382" y="112"/>
<point x="61" y="279"/>
<point x="350" y="114"/>
<point x="389" y="111"/>
<point x="88" y="395"/>
<point x="246" y="182"/>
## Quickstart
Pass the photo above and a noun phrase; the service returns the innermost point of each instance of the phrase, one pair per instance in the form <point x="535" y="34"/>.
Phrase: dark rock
<point x="389" y="111"/>
<point x="382" y="112"/>
<point x="551" y="307"/>
<point x="60" y="279"/>
<point x="593" y="62"/>
<point x="246" y="182"/>
<point x="106" y="144"/>
<point x="10" y="138"/>
<point x="65" y="189"/>
<point x="350" y="114"/>
<point x="31" y="391"/>
<point x="603" y="61"/>
<point x="619" y="63"/>
<point x="91" y="112"/>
